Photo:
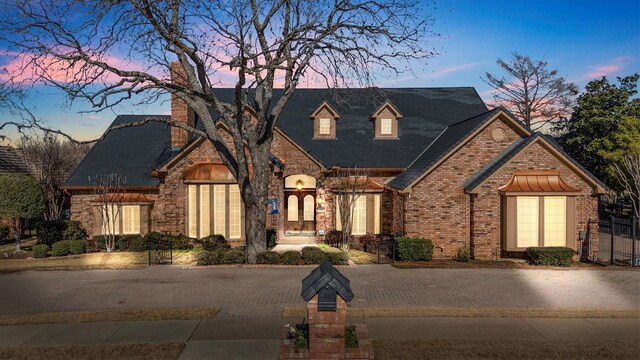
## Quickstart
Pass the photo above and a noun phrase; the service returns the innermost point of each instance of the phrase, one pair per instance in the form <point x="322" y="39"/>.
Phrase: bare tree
<point x="536" y="95"/>
<point x="51" y="161"/>
<point x="110" y="190"/>
<point x="349" y="185"/>
<point x="628" y="173"/>
<point x="257" y="45"/>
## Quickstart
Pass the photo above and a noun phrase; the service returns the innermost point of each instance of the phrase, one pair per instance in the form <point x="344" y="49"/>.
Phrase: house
<point x="11" y="161"/>
<point x="442" y="166"/>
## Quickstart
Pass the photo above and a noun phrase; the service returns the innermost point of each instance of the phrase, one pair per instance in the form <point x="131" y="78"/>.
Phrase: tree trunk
<point x="16" y="234"/>
<point x="255" y="202"/>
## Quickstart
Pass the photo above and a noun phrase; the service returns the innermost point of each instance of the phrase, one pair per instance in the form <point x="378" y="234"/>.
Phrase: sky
<point x="583" y="40"/>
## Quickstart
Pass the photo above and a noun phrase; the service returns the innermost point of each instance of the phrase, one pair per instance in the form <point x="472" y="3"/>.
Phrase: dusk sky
<point x="582" y="39"/>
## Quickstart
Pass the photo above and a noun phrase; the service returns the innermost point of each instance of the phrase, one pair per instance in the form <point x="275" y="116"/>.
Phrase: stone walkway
<point x="259" y="338"/>
<point x="264" y="292"/>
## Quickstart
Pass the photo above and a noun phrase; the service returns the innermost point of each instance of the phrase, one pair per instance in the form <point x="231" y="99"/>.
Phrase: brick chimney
<point x="180" y="111"/>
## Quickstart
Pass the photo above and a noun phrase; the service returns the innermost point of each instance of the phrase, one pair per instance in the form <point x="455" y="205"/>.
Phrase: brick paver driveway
<point x="263" y="292"/>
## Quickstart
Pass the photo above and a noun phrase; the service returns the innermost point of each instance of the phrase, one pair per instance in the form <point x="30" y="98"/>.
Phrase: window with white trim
<point x="214" y="209"/>
<point x="386" y="127"/>
<point x="324" y="126"/>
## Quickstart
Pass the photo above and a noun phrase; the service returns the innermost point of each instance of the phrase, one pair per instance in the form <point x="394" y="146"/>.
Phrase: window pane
<point x="325" y="127"/>
<point x="205" y="210"/>
<point x="555" y="221"/>
<point x="235" y="212"/>
<point x="359" y="216"/>
<point x="292" y="208"/>
<point x="193" y="210"/>
<point x="309" y="210"/>
<point x="338" y="218"/>
<point x="131" y="219"/>
<point x="527" y="217"/>
<point x="219" y="211"/>
<point x="385" y="126"/>
<point x="110" y="219"/>
<point x="376" y="214"/>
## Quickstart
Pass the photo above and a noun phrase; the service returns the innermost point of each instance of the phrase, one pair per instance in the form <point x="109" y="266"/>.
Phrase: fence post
<point x="612" y="240"/>
<point x="634" y="235"/>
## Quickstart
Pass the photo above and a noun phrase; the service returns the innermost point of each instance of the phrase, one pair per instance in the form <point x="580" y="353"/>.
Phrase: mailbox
<point x="328" y="283"/>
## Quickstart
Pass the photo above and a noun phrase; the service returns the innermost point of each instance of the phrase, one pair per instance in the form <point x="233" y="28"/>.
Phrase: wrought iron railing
<point x="160" y="251"/>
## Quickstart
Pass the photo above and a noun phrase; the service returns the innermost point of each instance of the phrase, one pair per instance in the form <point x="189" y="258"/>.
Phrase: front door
<point x="300" y="206"/>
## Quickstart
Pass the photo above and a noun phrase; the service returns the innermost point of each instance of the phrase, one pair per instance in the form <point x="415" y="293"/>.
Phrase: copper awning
<point x="130" y="198"/>
<point x="210" y="172"/>
<point x="537" y="181"/>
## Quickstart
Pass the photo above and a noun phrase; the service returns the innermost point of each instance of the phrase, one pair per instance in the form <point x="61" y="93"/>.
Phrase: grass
<point x="11" y="244"/>
<point x="362" y="258"/>
<point x="441" y="349"/>
<point x="147" y="314"/>
<point x="89" y="261"/>
<point x="503" y="264"/>
<point x="155" y="351"/>
<point x="289" y="312"/>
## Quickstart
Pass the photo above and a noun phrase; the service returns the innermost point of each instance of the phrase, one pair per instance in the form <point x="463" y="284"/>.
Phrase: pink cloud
<point x="449" y="70"/>
<point x="612" y="67"/>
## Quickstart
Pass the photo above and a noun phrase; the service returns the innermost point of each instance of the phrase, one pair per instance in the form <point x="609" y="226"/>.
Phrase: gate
<point x="160" y="251"/>
<point x="619" y="241"/>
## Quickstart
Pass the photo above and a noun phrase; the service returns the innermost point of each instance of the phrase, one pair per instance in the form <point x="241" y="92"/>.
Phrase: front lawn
<point x="501" y="264"/>
<point x="155" y="351"/>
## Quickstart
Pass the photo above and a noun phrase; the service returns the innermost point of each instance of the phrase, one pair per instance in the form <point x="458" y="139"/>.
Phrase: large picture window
<point x="122" y="221"/>
<point x="214" y="209"/>
<point x="365" y="215"/>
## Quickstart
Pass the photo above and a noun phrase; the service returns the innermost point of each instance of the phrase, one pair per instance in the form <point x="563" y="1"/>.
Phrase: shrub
<point x="121" y="243"/>
<point x="553" y="256"/>
<point x="367" y="242"/>
<point x="337" y="257"/>
<point x="39" y="251"/>
<point x="291" y="257"/>
<point x="74" y="231"/>
<point x="61" y="248"/>
<point x="333" y="238"/>
<point x="137" y="243"/>
<point x="154" y="235"/>
<point x="268" y="257"/>
<point x="312" y="255"/>
<point x="76" y="246"/>
<point x="180" y="242"/>
<point x="463" y="254"/>
<point x="214" y="242"/>
<point x="210" y="257"/>
<point x="350" y="337"/>
<point x="100" y="242"/>
<point x="233" y="257"/>
<point x="272" y="237"/>
<point x="414" y="249"/>
<point x="50" y="232"/>
<point x="4" y="233"/>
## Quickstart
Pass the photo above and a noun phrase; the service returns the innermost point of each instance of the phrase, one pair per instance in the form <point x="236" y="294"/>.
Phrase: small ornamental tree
<point x="20" y="198"/>
<point x="350" y="185"/>
<point x="110" y="190"/>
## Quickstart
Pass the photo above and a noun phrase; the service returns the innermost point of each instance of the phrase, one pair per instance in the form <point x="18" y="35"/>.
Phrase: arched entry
<point x="300" y="204"/>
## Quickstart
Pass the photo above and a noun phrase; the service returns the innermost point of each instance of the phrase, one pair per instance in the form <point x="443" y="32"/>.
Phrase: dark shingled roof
<point x="132" y="152"/>
<point x="426" y="112"/>
<point x="326" y="275"/>
<point x="446" y="141"/>
<point x="11" y="161"/>
<point x="511" y="151"/>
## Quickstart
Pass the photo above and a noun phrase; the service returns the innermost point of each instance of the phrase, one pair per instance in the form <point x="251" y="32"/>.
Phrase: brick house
<point x="443" y="166"/>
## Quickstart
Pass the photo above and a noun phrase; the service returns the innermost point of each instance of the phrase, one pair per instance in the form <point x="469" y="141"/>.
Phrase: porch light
<point x="299" y="184"/>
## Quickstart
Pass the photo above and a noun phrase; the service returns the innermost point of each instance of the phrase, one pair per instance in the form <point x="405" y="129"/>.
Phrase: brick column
<point x="326" y="330"/>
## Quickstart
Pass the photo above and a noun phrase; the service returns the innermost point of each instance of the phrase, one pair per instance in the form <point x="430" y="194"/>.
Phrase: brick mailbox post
<point x="327" y="293"/>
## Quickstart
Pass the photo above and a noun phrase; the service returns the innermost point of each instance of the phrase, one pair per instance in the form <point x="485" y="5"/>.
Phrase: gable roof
<point x="515" y="148"/>
<point x="11" y="161"/>
<point x="426" y="112"/>
<point x="446" y="142"/>
<point x="326" y="275"/>
<point x="132" y="152"/>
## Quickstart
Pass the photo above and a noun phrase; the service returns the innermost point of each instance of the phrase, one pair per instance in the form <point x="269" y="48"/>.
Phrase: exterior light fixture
<point x="299" y="184"/>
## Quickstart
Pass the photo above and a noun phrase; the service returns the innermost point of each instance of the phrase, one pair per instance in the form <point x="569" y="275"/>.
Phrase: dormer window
<point x="324" y="122"/>
<point x="386" y="121"/>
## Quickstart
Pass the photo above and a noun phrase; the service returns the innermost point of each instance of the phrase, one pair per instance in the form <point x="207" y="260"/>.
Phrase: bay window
<point x="365" y="214"/>
<point x="214" y="209"/>
<point x="545" y="220"/>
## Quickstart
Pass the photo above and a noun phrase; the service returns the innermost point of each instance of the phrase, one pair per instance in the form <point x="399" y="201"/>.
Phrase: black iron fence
<point x="619" y="240"/>
<point x="160" y="251"/>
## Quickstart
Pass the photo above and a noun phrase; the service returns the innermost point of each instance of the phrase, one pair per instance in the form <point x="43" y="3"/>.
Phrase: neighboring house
<point x="443" y="166"/>
<point x="11" y="161"/>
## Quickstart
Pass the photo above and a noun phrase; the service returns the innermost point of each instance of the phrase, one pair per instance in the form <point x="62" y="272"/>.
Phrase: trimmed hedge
<point x="154" y="235"/>
<point x="39" y="251"/>
<point x="268" y="257"/>
<point x="76" y="246"/>
<point x="463" y="254"/>
<point x="312" y="255"/>
<point x="553" y="256"/>
<point x="214" y="242"/>
<point x="337" y="257"/>
<point x="180" y="242"/>
<point x="210" y="257"/>
<point x="233" y="257"/>
<point x="50" y="232"/>
<point x="121" y="243"/>
<point x="101" y="243"/>
<point x="414" y="249"/>
<point x="74" y="231"/>
<point x="291" y="257"/>
<point x="61" y="248"/>
<point x="137" y="243"/>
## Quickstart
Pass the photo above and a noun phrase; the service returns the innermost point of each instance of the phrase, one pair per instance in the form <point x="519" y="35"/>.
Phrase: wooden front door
<point x="300" y="206"/>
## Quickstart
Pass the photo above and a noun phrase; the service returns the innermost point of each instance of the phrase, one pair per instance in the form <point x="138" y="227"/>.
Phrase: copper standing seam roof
<point x="210" y="172"/>
<point x="536" y="181"/>
<point x="126" y="198"/>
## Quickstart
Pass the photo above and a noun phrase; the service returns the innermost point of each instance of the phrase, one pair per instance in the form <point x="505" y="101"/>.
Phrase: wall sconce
<point x="299" y="184"/>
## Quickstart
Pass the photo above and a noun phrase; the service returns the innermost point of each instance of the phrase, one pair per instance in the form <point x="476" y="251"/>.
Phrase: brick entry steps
<point x="292" y="242"/>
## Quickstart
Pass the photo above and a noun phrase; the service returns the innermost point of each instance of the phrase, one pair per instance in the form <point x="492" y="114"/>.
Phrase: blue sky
<point x="582" y="39"/>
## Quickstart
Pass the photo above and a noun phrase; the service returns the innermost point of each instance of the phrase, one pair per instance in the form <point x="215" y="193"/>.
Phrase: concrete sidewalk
<point x="260" y="338"/>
